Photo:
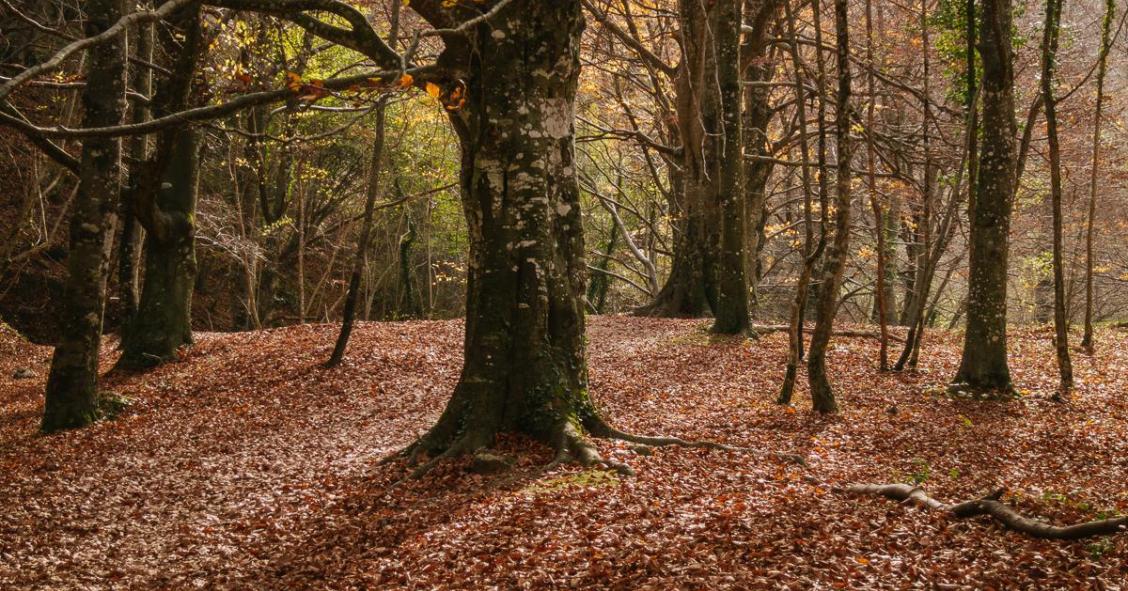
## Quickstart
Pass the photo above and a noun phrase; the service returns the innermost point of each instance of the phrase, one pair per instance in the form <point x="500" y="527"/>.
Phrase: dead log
<point x="991" y="505"/>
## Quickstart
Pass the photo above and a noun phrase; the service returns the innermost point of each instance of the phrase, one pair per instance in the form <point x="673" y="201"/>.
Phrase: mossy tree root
<point x="599" y="428"/>
<point x="569" y="438"/>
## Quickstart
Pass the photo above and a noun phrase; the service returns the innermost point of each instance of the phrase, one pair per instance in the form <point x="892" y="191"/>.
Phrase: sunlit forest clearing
<point x="627" y="294"/>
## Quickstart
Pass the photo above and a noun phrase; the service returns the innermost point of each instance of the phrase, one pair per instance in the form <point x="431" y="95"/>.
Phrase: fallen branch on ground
<point x="991" y="505"/>
<point x="864" y="334"/>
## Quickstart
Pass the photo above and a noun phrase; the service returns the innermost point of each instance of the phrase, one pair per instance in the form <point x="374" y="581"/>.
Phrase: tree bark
<point x="360" y="258"/>
<point x="822" y="396"/>
<point x="709" y="256"/>
<point x="525" y="366"/>
<point x="983" y="366"/>
<point x="71" y="396"/>
<point x="924" y="269"/>
<point x="725" y="157"/>
<point x="990" y="505"/>
<point x="758" y="67"/>
<point x="411" y="305"/>
<point x="128" y="278"/>
<point x="599" y="283"/>
<point x="165" y="205"/>
<point x="1052" y="26"/>
<point x="879" y="224"/>
<point x="1102" y="69"/>
<point x="811" y="250"/>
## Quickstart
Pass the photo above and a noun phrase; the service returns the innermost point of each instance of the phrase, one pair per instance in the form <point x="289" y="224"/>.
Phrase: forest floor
<point x="246" y="465"/>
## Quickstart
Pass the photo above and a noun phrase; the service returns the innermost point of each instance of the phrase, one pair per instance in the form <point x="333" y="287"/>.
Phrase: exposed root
<point x="411" y="453"/>
<point x="600" y="428"/>
<point x="991" y="505"/>
<point x="573" y="445"/>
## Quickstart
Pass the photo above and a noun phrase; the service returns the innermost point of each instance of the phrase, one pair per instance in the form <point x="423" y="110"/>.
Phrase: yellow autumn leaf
<point x="433" y="89"/>
<point x="406" y="81"/>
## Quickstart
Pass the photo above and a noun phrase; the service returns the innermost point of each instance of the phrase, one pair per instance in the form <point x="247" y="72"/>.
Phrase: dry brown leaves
<point x="249" y="466"/>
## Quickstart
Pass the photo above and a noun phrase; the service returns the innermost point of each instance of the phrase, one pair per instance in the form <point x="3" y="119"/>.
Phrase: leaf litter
<point x="246" y="465"/>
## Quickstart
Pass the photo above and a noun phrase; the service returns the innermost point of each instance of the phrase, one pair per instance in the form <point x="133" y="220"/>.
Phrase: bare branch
<point x="70" y="49"/>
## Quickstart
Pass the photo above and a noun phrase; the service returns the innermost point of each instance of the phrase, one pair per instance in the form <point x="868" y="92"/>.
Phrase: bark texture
<point x="725" y="159"/>
<point x="758" y="68"/>
<point x="1102" y="70"/>
<point x="71" y="397"/>
<point x="708" y="271"/>
<point x="822" y="397"/>
<point x="983" y="366"/>
<point x="165" y="205"/>
<point x="811" y="250"/>
<point x="525" y="365"/>
<point x="1052" y="25"/>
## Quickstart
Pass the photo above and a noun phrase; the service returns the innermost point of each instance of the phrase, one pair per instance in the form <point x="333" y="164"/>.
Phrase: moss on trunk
<point x="165" y="205"/>
<point x="525" y="369"/>
<point x="163" y="322"/>
<point x="71" y="396"/>
<point x="984" y="363"/>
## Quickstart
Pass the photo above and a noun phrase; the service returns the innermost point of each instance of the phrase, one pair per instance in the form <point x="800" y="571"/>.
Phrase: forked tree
<point x="822" y="396"/>
<point x="164" y="202"/>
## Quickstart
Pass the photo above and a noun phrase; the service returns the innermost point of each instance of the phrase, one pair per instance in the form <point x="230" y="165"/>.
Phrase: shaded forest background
<point x="282" y="187"/>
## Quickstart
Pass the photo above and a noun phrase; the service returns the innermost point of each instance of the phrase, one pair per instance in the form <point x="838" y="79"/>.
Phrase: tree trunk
<point x="1052" y="26"/>
<point x="683" y="295"/>
<point x="706" y="255"/>
<point x="360" y="258"/>
<point x="880" y="305"/>
<point x="525" y="366"/>
<point x="165" y="205"/>
<point x="725" y="156"/>
<point x="128" y="278"/>
<point x="822" y="397"/>
<point x="1102" y="69"/>
<point x="811" y="250"/>
<point x="411" y="305"/>
<point x="600" y="282"/>
<point x="71" y="396"/>
<point x="922" y="281"/>
<point x="163" y="322"/>
<point x="984" y="363"/>
<point x="758" y="69"/>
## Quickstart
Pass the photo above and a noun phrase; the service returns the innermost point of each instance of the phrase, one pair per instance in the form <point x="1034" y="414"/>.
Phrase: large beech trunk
<point x="71" y="386"/>
<point x="165" y="205"/>
<point x="686" y="293"/>
<point x="984" y="363"/>
<point x="709" y="256"/>
<point x="525" y="369"/>
<point x="692" y="287"/>
<point x="163" y="322"/>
